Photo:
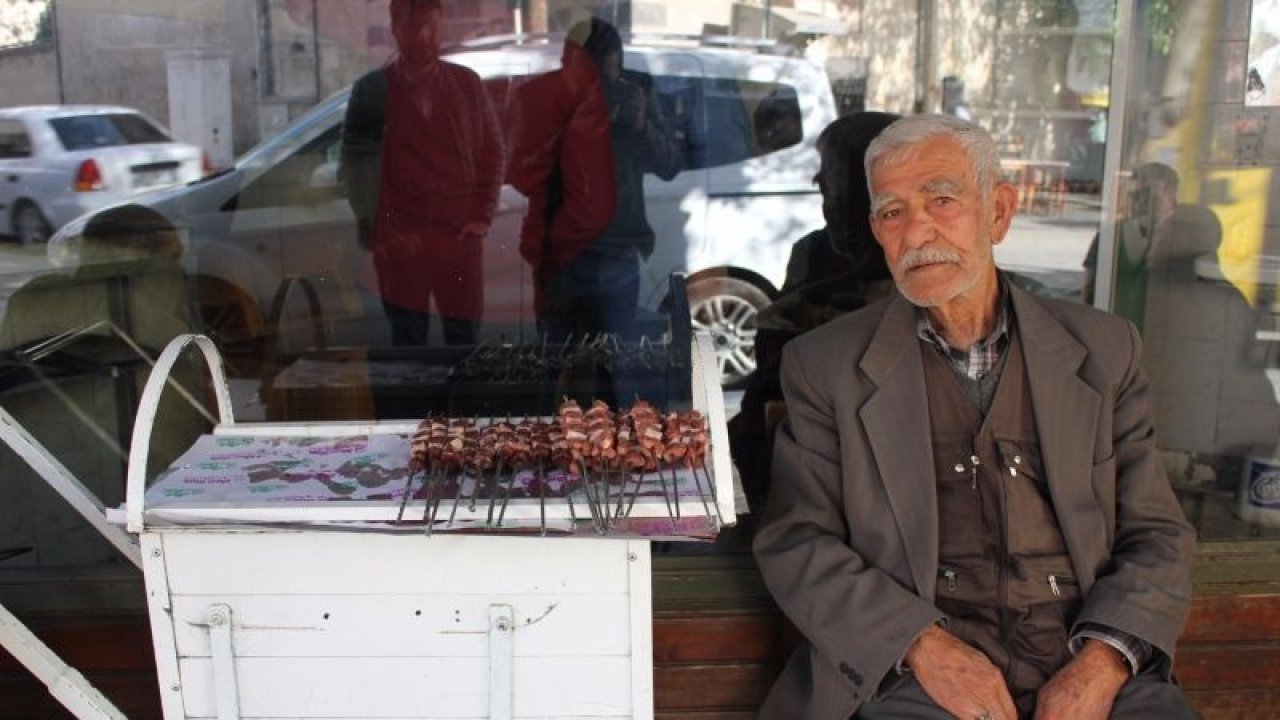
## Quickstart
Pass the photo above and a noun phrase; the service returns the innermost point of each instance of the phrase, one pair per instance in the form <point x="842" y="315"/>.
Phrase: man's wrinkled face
<point x="936" y="226"/>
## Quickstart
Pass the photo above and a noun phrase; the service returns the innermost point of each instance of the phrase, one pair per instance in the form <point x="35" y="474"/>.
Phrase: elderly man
<point x="968" y="515"/>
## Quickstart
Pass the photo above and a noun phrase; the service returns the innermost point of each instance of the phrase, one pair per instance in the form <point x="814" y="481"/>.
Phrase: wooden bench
<point x="719" y="641"/>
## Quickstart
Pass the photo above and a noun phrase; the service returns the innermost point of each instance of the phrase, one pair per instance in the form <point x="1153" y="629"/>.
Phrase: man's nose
<point x="917" y="226"/>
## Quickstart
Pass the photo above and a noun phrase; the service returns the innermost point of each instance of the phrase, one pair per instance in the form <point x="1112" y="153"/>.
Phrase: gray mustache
<point x="926" y="256"/>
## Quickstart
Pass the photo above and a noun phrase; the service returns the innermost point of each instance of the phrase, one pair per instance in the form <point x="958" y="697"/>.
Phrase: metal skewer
<point x="636" y="492"/>
<point x="493" y="494"/>
<point x="475" y="490"/>
<point x="430" y="486"/>
<point x="542" y="499"/>
<point x="506" y="497"/>
<point x="712" y="521"/>
<point x="404" y="502"/>
<point x="433" y="499"/>
<point x="591" y="501"/>
<point x="662" y="480"/>
<point x="622" y="490"/>
<point x="568" y="495"/>
<point x="605" y="515"/>
<point x="457" y="498"/>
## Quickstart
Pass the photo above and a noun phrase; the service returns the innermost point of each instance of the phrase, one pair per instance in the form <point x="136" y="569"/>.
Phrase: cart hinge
<point x="225" y="690"/>
<point x="501" y="661"/>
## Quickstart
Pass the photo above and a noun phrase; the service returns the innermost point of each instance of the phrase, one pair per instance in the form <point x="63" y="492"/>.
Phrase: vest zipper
<point x="951" y="577"/>
<point x="1055" y="583"/>
<point x="974" y="462"/>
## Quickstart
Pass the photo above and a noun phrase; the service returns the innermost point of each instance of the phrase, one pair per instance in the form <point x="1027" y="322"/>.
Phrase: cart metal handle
<point x="140" y="446"/>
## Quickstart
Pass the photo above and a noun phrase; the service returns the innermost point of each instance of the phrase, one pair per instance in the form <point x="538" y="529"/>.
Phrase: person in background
<point x="1198" y="331"/>
<point x="776" y="122"/>
<point x="831" y="271"/>
<point x="422" y="162"/>
<point x="1143" y="240"/>
<point x="968" y="516"/>
<point x="586" y="136"/>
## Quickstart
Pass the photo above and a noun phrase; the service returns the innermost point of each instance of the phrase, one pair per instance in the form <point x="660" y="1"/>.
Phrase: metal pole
<point x="315" y="47"/>
<point x="267" y="62"/>
<point x="1122" y="49"/>
<point x="924" y="59"/>
<point x="57" y="52"/>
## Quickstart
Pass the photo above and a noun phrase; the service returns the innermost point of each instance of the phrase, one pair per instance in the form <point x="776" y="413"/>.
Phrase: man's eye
<point x="890" y="213"/>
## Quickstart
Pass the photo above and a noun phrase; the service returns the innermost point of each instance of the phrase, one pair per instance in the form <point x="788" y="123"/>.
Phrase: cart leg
<point x="66" y="685"/>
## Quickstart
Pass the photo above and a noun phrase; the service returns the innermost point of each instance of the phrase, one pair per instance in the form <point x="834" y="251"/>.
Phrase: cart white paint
<point x="65" y="684"/>
<point x="297" y="621"/>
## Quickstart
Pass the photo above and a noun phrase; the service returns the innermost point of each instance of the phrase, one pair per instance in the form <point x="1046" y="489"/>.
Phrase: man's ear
<point x="1004" y="207"/>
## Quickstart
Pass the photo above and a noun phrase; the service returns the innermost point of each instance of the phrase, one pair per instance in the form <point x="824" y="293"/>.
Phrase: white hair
<point x="897" y="141"/>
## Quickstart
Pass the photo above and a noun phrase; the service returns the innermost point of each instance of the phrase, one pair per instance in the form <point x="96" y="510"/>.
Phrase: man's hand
<point x="1086" y="687"/>
<point x="959" y="678"/>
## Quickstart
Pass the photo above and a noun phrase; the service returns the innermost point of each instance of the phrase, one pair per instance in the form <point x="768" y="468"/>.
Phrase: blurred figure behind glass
<point x="833" y="270"/>
<point x="587" y="135"/>
<point x="422" y="164"/>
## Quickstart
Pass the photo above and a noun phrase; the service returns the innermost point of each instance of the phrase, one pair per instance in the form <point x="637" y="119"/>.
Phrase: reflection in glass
<point x="422" y="165"/>
<point x="587" y="228"/>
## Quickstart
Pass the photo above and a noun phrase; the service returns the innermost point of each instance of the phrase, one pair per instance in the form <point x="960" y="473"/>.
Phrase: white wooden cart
<point x="332" y="610"/>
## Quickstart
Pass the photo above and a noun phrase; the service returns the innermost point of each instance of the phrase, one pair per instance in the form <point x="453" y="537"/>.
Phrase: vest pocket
<point x="1044" y="599"/>
<point x="1043" y="579"/>
<point x="1033" y="525"/>
<point x="973" y="580"/>
<point x="963" y="520"/>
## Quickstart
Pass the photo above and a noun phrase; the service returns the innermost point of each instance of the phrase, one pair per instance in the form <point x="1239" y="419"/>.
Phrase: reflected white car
<point x="58" y="162"/>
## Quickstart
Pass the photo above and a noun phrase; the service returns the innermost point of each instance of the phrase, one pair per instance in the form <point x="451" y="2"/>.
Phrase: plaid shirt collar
<point x="984" y="355"/>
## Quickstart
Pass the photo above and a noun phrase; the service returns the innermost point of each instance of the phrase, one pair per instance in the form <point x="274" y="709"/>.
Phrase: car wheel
<point x="231" y="319"/>
<point x="726" y="308"/>
<point x="29" y="224"/>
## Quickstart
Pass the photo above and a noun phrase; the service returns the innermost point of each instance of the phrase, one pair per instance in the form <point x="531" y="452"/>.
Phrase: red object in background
<point x="88" y="177"/>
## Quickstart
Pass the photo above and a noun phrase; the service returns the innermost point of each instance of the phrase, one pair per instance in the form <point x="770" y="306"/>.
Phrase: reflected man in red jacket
<point x="584" y="138"/>
<point x="422" y="165"/>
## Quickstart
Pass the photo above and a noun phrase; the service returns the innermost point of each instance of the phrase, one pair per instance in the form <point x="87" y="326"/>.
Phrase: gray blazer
<point x="848" y="543"/>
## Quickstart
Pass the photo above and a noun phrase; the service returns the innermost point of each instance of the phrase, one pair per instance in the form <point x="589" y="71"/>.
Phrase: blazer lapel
<point x="902" y="447"/>
<point x="1066" y="413"/>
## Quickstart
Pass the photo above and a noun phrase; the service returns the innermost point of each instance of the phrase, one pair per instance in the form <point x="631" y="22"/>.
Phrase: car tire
<point x="229" y="317"/>
<point x="29" y="224"/>
<point x="726" y="308"/>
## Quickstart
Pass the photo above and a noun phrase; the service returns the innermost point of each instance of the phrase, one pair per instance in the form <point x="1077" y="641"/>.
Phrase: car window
<point x="307" y="176"/>
<point x="81" y="132"/>
<point x="724" y="121"/>
<point x="273" y="150"/>
<point x="14" y="141"/>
